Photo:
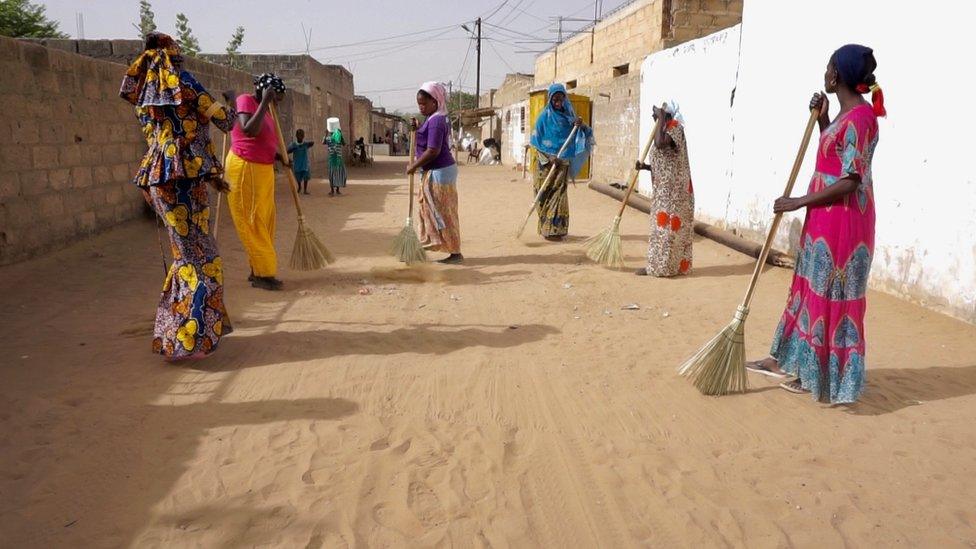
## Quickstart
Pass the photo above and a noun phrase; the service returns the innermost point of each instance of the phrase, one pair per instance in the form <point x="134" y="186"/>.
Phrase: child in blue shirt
<point x="299" y="151"/>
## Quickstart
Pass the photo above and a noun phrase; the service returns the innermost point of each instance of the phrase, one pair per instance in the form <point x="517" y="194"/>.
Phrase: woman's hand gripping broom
<point x="406" y="245"/>
<point x="309" y="253"/>
<point x="546" y="183"/>
<point x="604" y="247"/>
<point x="719" y="367"/>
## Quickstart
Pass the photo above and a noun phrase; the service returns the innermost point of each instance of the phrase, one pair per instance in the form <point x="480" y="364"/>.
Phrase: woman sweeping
<point x="438" y="201"/>
<point x="820" y="339"/>
<point x="553" y="126"/>
<point x="175" y="112"/>
<point x="250" y="172"/>
<point x="673" y="202"/>
<point x="337" y="166"/>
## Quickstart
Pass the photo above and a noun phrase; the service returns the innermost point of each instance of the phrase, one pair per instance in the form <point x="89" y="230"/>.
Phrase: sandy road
<point x="506" y="402"/>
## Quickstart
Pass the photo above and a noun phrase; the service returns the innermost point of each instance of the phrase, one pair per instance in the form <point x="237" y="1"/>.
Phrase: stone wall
<point x="69" y="145"/>
<point x="604" y="65"/>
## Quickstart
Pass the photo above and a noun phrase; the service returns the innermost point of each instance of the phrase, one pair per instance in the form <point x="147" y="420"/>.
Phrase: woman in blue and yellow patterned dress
<point x="175" y="112"/>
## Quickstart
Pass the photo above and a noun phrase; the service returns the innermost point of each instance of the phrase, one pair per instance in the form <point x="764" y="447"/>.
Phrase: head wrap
<point x="269" y="80"/>
<point x="437" y="91"/>
<point x="553" y="127"/>
<point x="671" y="107"/>
<point x="151" y="79"/>
<point x="855" y="66"/>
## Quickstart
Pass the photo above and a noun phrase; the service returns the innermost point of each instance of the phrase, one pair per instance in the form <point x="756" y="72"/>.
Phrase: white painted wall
<point x="513" y="138"/>
<point x="924" y="184"/>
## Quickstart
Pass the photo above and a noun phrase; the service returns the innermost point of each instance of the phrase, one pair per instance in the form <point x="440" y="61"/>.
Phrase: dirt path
<point x="506" y="402"/>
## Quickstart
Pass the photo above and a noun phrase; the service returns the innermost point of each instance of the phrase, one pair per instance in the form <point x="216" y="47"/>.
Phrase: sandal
<point x="794" y="386"/>
<point x="641" y="272"/>
<point x="757" y="367"/>
<point x="267" y="283"/>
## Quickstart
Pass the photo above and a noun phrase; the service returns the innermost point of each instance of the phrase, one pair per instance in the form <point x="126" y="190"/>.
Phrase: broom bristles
<point x="521" y="229"/>
<point x="719" y="368"/>
<point x="604" y="247"/>
<point x="407" y="247"/>
<point x="309" y="254"/>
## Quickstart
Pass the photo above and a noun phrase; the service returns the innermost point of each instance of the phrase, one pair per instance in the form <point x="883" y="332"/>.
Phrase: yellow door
<point x="582" y="106"/>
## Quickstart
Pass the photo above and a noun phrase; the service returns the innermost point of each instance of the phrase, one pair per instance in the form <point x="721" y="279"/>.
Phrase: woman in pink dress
<point x="820" y="341"/>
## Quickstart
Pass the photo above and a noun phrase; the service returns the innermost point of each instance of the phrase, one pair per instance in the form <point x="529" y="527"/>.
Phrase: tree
<point x="184" y="35"/>
<point x="234" y="49"/>
<point x="22" y="19"/>
<point x="147" y="19"/>
<point x="460" y="101"/>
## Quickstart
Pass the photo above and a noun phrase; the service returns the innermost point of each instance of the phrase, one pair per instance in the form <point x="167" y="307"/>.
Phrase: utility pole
<point x="477" y="86"/>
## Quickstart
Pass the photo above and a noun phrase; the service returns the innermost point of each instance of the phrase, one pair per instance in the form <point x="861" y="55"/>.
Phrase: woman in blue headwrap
<point x="553" y="126"/>
<point x="820" y="341"/>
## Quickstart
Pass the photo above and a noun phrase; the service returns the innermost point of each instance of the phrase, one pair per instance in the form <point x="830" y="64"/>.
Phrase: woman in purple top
<point x="439" y="227"/>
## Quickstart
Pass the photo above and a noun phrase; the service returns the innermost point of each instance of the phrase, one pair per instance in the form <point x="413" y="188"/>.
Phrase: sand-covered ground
<point x="508" y="402"/>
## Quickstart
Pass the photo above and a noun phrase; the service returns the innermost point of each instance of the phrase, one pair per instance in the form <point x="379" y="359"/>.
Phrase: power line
<point x="363" y="42"/>
<point x="492" y="46"/>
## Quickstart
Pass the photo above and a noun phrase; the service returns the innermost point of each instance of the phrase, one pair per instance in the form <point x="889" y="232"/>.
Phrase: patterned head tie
<point x="269" y="80"/>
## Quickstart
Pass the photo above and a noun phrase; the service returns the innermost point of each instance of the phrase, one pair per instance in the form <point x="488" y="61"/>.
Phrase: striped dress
<point x="337" y="167"/>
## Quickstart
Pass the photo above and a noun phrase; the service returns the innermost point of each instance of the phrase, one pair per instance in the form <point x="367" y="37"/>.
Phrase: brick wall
<point x="605" y="66"/>
<point x="69" y="145"/>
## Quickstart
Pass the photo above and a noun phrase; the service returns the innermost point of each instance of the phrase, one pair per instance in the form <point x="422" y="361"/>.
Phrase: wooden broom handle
<point x="413" y="152"/>
<point x="635" y="172"/>
<point x="768" y="245"/>
<point x="284" y="154"/>
<point x="552" y="170"/>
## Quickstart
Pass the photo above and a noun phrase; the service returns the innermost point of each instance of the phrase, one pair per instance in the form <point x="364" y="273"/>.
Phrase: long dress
<point x="820" y="337"/>
<point x="554" y="202"/>
<point x="190" y="316"/>
<point x="437" y="204"/>
<point x="669" y="252"/>
<point x="337" y="166"/>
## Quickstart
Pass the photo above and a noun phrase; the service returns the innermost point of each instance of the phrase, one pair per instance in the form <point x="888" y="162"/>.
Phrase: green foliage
<point x="147" y="19"/>
<point x="460" y="101"/>
<point x="234" y="49"/>
<point x="184" y="36"/>
<point x="23" y="19"/>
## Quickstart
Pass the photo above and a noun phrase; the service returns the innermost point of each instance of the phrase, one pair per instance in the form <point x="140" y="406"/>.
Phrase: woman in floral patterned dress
<point x="820" y="339"/>
<point x="673" y="201"/>
<point x="175" y="112"/>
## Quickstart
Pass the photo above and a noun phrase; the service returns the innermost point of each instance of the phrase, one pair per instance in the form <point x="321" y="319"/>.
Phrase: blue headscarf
<point x="553" y="127"/>
<point x="855" y="65"/>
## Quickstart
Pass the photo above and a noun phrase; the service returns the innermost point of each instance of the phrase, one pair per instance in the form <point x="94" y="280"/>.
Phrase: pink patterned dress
<point x="820" y="338"/>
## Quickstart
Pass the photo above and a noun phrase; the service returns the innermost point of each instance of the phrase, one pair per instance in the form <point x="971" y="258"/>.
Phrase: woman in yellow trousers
<point x="250" y="172"/>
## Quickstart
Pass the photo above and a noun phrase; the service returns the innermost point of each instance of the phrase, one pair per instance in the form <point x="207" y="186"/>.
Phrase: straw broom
<point x="545" y="184"/>
<point x="719" y="367"/>
<point x="309" y="253"/>
<point x="406" y="245"/>
<point x="604" y="247"/>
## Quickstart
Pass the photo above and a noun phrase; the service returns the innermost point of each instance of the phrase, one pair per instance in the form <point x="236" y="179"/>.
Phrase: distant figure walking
<point x="298" y="149"/>
<point x="337" y="166"/>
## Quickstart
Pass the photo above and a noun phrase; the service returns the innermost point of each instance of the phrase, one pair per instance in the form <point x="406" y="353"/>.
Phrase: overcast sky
<point x="389" y="66"/>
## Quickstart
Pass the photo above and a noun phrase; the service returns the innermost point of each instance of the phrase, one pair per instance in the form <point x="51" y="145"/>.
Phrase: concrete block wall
<point x="362" y="122"/>
<point x="329" y="89"/>
<point x="691" y="19"/>
<point x="68" y="148"/>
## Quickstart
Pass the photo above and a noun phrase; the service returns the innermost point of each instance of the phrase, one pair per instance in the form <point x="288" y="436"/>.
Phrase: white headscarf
<point x="672" y="108"/>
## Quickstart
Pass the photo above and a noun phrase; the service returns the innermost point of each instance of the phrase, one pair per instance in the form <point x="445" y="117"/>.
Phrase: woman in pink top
<point x="250" y="172"/>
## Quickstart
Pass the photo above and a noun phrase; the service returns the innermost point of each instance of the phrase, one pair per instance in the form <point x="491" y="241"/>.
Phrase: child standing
<point x="299" y="151"/>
